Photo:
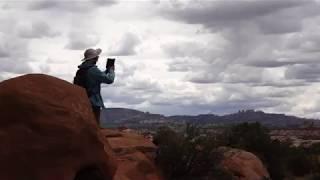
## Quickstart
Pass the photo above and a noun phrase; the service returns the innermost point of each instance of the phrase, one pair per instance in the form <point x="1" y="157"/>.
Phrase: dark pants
<point x="96" y="111"/>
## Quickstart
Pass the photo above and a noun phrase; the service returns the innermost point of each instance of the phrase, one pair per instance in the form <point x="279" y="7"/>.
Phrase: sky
<point x="175" y="56"/>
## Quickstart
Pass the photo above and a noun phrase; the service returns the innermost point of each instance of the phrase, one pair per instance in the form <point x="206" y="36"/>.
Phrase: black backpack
<point x="81" y="79"/>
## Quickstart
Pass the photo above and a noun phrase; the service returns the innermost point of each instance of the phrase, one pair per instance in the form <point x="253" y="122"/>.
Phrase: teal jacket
<point x="95" y="77"/>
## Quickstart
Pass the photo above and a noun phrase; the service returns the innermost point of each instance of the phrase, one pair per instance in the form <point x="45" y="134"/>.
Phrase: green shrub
<point x="186" y="155"/>
<point x="192" y="155"/>
<point x="255" y="138"/>
<point x="279" y="157"/>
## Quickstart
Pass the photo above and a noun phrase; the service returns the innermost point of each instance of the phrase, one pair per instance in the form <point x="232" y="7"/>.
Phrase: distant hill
<point x="130" y="117"/>
<point x="122" y="115"/>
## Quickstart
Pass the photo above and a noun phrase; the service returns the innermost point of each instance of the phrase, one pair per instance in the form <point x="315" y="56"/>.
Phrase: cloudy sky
<point x="175" y="56"/>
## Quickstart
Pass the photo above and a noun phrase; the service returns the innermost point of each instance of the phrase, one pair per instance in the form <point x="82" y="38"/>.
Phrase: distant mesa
<point x="113" y="117"/>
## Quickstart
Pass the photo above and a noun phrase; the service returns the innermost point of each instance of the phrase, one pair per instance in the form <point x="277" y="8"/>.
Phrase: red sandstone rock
<point x="131" y="140"/>
<point x="135" y="155"/>
<point x="243" y="165"/>
<point x="48" y="131"/>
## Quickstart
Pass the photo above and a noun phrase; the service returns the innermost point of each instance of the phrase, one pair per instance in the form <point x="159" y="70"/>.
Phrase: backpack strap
<point x="89" y="94"/>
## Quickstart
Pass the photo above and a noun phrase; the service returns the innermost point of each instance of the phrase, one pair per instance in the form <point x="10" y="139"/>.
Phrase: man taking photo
<point x="90" y="77"/>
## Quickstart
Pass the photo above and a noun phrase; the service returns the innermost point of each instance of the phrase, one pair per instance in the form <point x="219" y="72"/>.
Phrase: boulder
<point x="129" y="141"/>
<point x="48" y="132"/>
<point x="135" y="155"/>
<point x="243" y="165"/>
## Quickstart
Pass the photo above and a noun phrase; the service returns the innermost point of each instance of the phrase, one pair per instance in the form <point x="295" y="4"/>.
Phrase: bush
<point x="186" y="154"/>
<point x="191" y="155"/>
<point x="279" y="157"/>
<point x="255" y="138"/>
<point x="299" y="163"/>
<point x="248" y="136"/>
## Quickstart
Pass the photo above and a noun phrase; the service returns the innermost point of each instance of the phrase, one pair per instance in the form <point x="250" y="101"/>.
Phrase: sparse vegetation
<point x="187" y="155"/>
<point x="281" y="159"/>
<point x="190" y="154"/>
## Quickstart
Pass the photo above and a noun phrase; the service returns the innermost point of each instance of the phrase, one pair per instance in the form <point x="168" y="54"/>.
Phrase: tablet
<point x="110" y="62"/>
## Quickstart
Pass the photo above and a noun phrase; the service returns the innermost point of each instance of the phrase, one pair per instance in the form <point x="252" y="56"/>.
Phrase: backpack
<point x="81" y="79"/>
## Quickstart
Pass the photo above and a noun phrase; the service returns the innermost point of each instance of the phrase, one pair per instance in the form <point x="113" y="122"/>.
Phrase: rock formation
<point x="243" y="165"/>
<point x="135" y="155"/>
<point x="48" y="132"/>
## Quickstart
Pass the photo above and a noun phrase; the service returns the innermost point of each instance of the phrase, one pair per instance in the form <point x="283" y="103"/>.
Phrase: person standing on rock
<point x="90" y="77"/>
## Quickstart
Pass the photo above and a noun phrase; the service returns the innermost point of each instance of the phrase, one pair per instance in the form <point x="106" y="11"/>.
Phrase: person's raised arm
<point x="103" y="77"/>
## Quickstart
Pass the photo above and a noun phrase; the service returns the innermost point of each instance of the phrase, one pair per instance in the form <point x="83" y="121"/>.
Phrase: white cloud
<point x="14" y="55"/>
<point x="74" y="6"/>
<point x="36" y="30"/>
<point x="125" y="46"/>
<point x="175" y="57"/>
<point x="82" y="40"/>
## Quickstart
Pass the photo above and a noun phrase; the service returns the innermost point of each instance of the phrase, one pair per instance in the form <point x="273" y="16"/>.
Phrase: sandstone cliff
<point x="135" y="155"/>
<point x="48" y="132"/>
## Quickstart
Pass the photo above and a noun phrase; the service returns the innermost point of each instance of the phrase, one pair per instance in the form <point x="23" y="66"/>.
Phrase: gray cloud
<point x="266" y="63"/>
<point x="36" y="30"/>
<point x="4" y="6"/>
<point x="229" y="100"/>
<point x="130" y="88"/>
<point x="205" y="67"/>
<point x="74" y="6"/>
<point x="281" y="84"/>
<point x="273" y="63"/>
<point x="255" y="39"/>
<point x="188" y="56"/>
<point x="43" y="5"/>
<point x="282" y="93"/>
<point x="81" y="40"/>
<point x="116" y="95"/>
<point x="309" y="73"/>
<point x="268" y="25"/>
<point x="126" y="46"/>
<point x="304" y="43"/>
<point x="212" y="62"/>
<point x="45" y="68"/>
<point x="231" y="74"/>
<point x="205" y="64"/>
<point x="104" y="2"/>
<point x="220" y="14"/>
<point x="244" y="24"/>
<point x="144" y="85"/>
<point x="131" y="93"/>
<point x="185" y="49"/>
<point x="4" y="53"/>
<point x="14" y="55"/>
<point x="185" y="64"/>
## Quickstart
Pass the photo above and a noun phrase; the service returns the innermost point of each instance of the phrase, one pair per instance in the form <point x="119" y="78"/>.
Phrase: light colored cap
<point x="91" y="53"/>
